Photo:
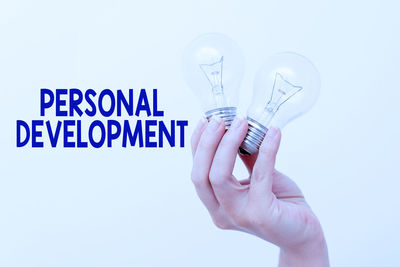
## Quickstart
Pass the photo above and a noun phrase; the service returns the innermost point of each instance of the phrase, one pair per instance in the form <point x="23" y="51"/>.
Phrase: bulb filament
<point x="213" y="73"/>
<point x="282" y="91"/>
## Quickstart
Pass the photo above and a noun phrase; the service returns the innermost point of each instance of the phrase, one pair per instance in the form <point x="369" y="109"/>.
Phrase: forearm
<point x="315" y="255"/>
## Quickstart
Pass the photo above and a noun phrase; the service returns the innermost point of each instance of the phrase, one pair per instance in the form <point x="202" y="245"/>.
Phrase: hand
<point x="268" y="204"/>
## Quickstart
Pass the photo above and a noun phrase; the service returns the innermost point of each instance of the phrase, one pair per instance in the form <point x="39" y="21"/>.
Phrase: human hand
<point x="268" y="204"/>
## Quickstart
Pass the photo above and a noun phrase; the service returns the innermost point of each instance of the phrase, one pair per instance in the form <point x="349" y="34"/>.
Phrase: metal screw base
<point x="255" y="135"/>
<point x="228" y="114"/>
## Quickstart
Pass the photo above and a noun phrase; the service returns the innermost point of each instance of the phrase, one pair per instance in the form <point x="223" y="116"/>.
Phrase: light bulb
<point x="285" y="87"/>
<point x="213" y="67"/>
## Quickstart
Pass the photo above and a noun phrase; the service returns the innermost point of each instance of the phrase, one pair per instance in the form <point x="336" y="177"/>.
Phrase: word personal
<point x="107" y="118"/>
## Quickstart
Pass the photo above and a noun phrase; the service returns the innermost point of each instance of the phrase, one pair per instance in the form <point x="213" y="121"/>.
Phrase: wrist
<point x="312" y="253"/>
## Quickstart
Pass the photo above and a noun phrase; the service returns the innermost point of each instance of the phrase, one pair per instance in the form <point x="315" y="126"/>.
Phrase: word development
<point x="111" y="118"/>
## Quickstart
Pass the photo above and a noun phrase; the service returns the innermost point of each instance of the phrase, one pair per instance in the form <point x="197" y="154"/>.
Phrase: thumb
<point x="261" y="178"/>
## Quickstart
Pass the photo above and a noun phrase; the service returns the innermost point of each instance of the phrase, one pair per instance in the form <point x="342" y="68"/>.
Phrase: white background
<point x="137" y="207"/>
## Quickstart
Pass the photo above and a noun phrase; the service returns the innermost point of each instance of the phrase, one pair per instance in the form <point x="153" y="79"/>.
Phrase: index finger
<point x="222" y="181"/>
<point x="201" y="125"/>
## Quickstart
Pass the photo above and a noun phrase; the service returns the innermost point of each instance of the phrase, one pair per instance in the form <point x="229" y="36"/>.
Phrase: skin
<point x="268" y="204"/>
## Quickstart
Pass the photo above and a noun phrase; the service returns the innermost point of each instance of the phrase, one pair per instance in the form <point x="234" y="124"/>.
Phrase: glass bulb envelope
<point x="213" y="66"/>
<point x="285" y="87"/>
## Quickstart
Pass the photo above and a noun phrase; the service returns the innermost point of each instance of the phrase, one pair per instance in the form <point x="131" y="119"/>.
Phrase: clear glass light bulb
<point x="213" y="66"/>
<point x="285" y="87"/>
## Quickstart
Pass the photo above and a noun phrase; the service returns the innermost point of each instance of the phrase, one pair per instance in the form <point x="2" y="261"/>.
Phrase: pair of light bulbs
<point x="285" y="87"/>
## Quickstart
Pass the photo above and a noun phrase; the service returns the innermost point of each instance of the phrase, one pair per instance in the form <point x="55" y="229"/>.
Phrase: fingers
<point x="203" y="157"/>
<point x="201" y="125"/>
<point x="222" y="181"/>
<point x="262" y="176"/>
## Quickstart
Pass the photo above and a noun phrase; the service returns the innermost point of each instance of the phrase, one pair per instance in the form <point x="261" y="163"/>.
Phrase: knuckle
<point x="195" y="179"/>
<point x="221" y="223"/>
<point x="216" y="177"/>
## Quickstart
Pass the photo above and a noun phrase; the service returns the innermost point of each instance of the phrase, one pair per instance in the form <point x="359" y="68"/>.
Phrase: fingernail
<point x="201" y="123"/>
<point x="236" y="122"/>
<point x="272" y="133"/>
<point x="215" y="122"/>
